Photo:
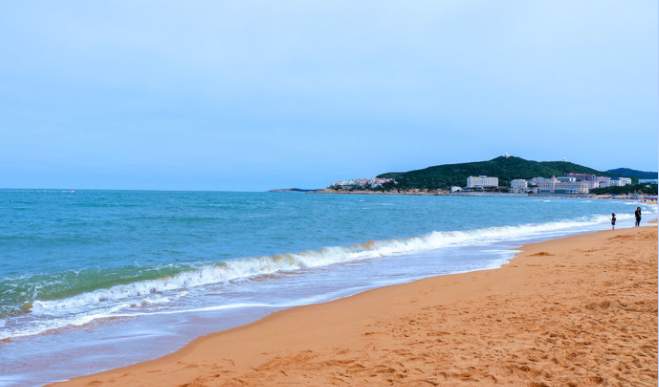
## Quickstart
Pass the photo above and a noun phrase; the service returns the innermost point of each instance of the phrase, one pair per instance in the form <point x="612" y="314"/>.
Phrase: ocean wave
<point x="140" y="294"/>
<point x="248" y="267"/>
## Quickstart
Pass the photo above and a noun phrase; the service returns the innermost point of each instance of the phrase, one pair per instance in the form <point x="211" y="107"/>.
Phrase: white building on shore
<point x="518" y="185"/>
<point x="482" y="181"/>
<point x="593" y="184"/>
<point x="618" y="182"/>
<point x="362" y="183"/>
<point x="537" y="180"/>
<point x="557" y="187"/>
<point x="570" y="184"/>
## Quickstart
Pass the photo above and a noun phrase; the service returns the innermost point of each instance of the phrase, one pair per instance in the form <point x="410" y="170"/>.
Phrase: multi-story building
<point x="519" y="185"/>
<point x="537" y="180"/>
<point x="583" y="176"/>
<point x="593" y="184"/>
<point x="572" y="183"/>
<point x="482" y="181"/>
<point x="648" y="181"/>
<point x="617" y="182"/>
<point x="556" y="187"/>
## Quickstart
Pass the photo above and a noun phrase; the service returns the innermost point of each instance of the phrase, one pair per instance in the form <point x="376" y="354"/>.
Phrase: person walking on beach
<point x="637" y="214"/>
<point x="613" y="221"/>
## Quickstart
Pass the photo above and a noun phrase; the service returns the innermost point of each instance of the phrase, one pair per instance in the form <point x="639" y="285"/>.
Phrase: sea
<point x="95" y="280"/>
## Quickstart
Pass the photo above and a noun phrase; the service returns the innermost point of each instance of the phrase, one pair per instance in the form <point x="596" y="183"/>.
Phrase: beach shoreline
<point x="651" y="199"/>
<point x="573" y="311"/>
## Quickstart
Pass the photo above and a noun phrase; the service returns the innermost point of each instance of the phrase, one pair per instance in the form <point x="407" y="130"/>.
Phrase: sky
<point x="255" y="95"/>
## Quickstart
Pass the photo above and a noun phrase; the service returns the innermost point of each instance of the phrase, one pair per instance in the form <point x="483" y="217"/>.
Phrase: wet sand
<point x="578" y="311"/>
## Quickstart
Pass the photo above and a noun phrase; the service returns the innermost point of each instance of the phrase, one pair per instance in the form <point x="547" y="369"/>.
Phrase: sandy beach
<point x="578" y="311"/>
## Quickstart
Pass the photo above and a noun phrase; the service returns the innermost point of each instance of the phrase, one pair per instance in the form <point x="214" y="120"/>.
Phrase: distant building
<point x="537" y="180"/>
<point x="622" y="181"/>
<point x="362" y="183"/>
<point x="557" y="187"/>
<point x="617" y="182"/>
<point x="482" y="181"/>
<point x="519" y="185"/>
<point x="583" y="176"/>
<point x="455" y="188"/>
<point x="593" y="184"/>
<point x="648" y="181"/>
<point x="379" y="182"/>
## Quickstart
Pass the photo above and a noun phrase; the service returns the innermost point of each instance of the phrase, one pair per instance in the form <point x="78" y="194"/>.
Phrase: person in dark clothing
<point x="637" y="214"/>
<point x="613" y="221"/>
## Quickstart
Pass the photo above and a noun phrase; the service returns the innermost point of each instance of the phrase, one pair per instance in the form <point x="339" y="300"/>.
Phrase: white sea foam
<point x="239" y="268"/>
<point x="136" y="298"/>
<point x="255" y="266"/>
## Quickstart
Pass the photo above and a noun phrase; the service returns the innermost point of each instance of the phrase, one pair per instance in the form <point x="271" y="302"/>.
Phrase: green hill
<point x="633" y="173"/>
<point x="505" y="168"/>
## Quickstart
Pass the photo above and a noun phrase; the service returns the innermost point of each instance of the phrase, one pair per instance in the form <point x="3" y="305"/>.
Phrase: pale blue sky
<point x="253" y="95"/>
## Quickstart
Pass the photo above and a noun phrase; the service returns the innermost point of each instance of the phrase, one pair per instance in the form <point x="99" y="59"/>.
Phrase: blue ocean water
<point x="107" y="270"/>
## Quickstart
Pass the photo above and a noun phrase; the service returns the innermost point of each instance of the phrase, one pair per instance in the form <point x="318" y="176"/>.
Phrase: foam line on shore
<point x="434" y="330"/>
<point x="137" y="297"/>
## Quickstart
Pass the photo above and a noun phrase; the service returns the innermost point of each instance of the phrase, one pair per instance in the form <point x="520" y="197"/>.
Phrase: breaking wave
<point x="42" y="314"/>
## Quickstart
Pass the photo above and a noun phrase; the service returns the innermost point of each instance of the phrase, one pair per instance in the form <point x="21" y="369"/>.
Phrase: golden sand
<point x="579" y="311"/>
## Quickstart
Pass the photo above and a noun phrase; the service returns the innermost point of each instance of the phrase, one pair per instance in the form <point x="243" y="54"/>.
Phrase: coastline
<point x="439" y="192"/>
<point x="578" y="310"/>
